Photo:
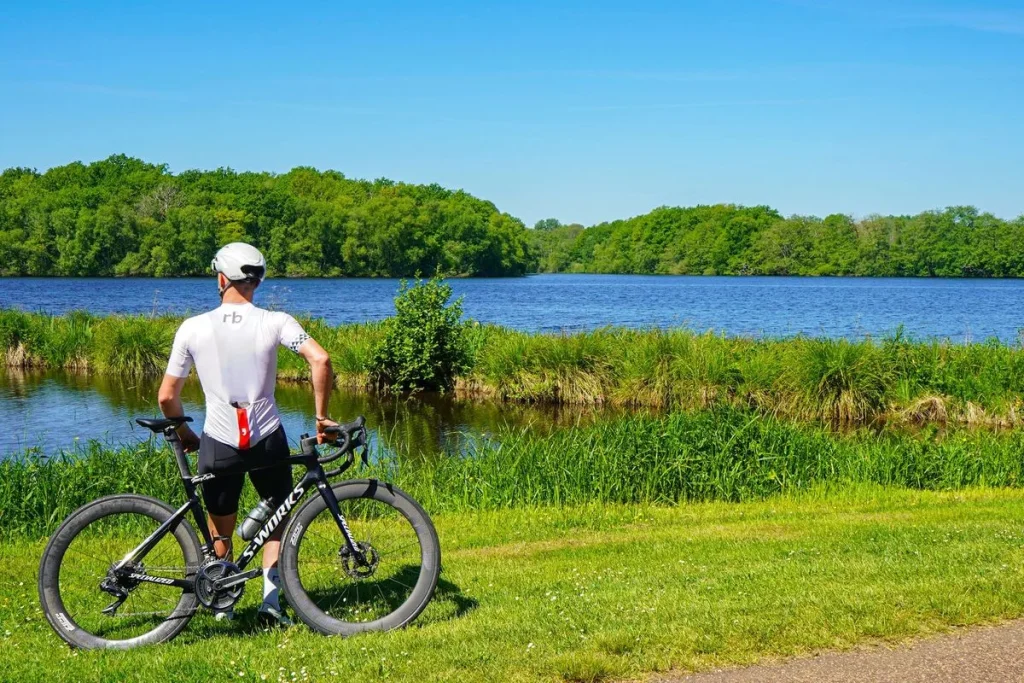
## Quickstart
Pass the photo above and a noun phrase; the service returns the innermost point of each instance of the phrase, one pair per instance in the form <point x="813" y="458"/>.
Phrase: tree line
<point x="123" y="216"/>
<point x="959" y="241"/>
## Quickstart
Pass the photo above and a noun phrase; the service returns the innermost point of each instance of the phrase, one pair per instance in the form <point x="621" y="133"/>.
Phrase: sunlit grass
<point x="611" y="592"/>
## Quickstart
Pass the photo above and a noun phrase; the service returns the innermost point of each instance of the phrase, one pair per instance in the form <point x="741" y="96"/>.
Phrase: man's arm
<point x="169" y="397"/>
<point x="323" y="379"/>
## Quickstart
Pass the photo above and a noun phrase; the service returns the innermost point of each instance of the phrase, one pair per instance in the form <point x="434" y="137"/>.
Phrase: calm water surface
<point x="48" y="411"/>
<point x="958" y="310"/>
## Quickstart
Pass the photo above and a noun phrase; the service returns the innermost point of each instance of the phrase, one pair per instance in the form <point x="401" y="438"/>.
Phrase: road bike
<point x="129" y="570"/>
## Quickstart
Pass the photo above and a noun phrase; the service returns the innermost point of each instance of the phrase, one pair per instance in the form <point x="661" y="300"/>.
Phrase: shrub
<point x="426" y="344"/>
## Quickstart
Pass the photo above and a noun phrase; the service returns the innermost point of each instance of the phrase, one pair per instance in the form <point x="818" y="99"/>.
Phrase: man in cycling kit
<point x="234" y="351"/>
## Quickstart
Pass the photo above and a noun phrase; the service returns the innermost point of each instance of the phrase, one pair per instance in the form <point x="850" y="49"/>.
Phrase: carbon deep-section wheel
<point x="91" y="606"/>
<point x="386" y="585"/>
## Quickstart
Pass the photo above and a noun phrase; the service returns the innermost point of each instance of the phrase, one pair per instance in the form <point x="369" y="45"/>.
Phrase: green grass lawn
<point x="610" y="592"/>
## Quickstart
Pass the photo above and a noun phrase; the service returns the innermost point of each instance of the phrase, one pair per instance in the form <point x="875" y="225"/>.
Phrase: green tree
<point x="123" y="216"/>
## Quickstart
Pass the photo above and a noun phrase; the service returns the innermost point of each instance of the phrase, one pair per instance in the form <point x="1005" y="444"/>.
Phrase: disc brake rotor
<point x="353" y="567"/>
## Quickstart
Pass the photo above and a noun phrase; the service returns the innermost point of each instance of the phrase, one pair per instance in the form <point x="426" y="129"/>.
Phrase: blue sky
<point x="584" y="111"/>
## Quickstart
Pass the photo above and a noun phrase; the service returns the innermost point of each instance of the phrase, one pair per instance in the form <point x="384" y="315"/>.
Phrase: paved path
<point x="980" y="655"/>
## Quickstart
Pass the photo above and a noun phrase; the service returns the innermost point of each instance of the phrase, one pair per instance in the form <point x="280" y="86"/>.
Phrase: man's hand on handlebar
<point x="189" y="440"/>
<point x="321" y="425"/>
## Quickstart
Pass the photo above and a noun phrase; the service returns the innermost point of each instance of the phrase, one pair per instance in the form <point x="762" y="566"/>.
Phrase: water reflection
<point x="51" y="410"/>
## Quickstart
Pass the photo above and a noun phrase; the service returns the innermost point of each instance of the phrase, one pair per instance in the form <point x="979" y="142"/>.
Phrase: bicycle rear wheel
<point x="326" y="585"/>
<point x="80" y="555"/>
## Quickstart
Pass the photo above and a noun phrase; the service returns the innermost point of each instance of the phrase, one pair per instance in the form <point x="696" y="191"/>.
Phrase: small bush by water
<point x="424" y="345"/>
<point x="719" y="454"/>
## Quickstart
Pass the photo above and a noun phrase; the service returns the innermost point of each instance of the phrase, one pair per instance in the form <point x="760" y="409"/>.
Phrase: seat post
<point x="172" y="438"/>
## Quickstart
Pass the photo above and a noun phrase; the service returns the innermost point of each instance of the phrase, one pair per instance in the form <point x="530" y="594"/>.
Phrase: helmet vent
<point x="253" y="272"/>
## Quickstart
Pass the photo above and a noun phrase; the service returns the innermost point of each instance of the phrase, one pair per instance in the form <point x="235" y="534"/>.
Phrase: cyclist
<point x="234" y="351"/>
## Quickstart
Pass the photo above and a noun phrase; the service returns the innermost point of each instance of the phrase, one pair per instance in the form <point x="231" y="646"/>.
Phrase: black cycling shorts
<point x="273" y="479"/>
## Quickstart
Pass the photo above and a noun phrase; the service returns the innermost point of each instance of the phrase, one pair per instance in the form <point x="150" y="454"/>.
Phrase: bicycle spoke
<point x="335" y="580"/>
<point x="90" y="556"/>
<point x="403" y="585"/>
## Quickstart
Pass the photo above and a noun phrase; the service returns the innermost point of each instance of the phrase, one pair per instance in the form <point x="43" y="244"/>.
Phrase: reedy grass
<point x="720" y="454"/>
<point x="132" y="345"/>
<point x="58" y="341"/>
<point x="837" y="381"/>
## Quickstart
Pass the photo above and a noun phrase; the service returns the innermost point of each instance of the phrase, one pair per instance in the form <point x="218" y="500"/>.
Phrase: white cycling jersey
<point x="234" y="349"/>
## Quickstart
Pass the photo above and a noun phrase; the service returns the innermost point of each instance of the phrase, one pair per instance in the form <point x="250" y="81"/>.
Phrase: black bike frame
<point x="314" y="476"/>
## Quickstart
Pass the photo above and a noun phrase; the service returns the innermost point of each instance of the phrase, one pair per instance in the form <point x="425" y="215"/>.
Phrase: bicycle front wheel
<point x="77" y="588"/>
<point x="336" y="593"/>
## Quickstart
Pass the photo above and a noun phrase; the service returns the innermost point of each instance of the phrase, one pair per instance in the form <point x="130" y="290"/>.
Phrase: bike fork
<point x="332" y="504"/>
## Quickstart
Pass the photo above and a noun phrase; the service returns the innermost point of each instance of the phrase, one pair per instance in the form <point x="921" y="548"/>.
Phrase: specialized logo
<point x="65" y="622"/>
<point x="268" y="528"/>
<point x="202" y="477"/>
<point x="235" y="317"/>
<point x="151" y="579"/>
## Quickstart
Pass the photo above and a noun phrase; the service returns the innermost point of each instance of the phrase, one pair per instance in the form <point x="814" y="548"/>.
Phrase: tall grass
<point x="57" y="341"/>
<point x="847" y="382"/>
<point x="837" y="381"/>
<point x="718" y="454"/>
<point x="132" y="345"/>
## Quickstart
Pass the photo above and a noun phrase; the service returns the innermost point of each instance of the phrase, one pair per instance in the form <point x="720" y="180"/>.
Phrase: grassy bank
<point x="605" y="592"/>
<point x="838" y="381"/>
<point x="722" y="454"/>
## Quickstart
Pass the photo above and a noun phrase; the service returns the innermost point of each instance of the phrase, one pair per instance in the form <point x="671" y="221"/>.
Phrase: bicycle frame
<point x="314" y="476"/>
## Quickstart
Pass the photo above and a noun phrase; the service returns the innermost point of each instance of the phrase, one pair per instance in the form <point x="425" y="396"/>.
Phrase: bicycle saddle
<point x="161" y="423"/>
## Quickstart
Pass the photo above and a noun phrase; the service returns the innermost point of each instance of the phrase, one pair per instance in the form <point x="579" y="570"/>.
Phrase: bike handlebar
<point x="352" y="435"/>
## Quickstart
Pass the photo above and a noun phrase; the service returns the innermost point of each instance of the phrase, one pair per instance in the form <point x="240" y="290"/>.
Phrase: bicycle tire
<point x="430" y="559"/>
<point x="53" y="557"/>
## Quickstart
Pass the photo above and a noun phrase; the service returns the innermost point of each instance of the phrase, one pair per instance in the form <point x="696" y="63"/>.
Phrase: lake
<point x="49" y="411"/>
<point x="54" y="410"/>
<point x="959" y="310"/>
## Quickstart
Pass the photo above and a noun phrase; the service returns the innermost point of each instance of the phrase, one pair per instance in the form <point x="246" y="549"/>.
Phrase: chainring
<point x="208" y="596"/>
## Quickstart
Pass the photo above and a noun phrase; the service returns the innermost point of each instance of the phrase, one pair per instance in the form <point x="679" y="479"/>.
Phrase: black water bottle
<point x="256" y="518"/>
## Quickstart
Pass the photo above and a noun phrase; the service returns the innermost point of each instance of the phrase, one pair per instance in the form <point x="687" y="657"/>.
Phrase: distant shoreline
<point x="731" y="276"/>
<point x="125" y="217"/>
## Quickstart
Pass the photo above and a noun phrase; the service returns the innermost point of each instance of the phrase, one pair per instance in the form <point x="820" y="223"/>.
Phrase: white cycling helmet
<point x="240" y="262"/>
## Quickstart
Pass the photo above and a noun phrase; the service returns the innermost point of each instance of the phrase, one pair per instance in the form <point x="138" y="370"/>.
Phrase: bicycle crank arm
<point x="235" y="579"/>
